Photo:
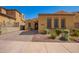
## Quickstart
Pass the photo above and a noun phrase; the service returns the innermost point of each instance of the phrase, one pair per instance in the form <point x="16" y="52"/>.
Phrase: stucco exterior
<point x="11" y="18"/>
<point x="17" y="15"/>
<point x="11" y="15"/>
<point x="31" y="23"/>
<point x="6" y="21"/>
<point x="70" y="20"/>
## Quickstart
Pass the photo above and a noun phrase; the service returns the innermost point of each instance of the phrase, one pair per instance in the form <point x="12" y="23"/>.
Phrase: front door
<point x="22" y="27"/>
<point x="36" y="26"/>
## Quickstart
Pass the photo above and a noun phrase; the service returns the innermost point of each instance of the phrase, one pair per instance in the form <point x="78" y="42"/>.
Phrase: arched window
<point x="63" y="24"/>
<point x="49" y="23"/>
<point x="56" y="23"/>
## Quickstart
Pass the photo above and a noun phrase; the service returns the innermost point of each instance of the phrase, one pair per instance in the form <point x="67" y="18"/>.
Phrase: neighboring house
<point x="11" y="17"/>
<point x="6" y="20"/>
<point x="17" y="15"/>
<point x="32" y="24"/>
<point x="58" y="20"/>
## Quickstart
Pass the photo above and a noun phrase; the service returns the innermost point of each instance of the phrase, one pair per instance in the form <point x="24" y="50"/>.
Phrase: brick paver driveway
<point x="21" y="42"/>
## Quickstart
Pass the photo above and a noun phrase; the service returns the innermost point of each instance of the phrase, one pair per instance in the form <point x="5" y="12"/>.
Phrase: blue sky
<point x="33" y="11"/>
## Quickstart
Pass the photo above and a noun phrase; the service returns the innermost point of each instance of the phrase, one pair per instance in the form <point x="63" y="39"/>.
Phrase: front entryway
<point x="36" y="26"/>
<point x="22" y="27"/>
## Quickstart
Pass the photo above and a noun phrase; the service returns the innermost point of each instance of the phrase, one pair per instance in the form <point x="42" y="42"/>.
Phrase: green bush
<point x="75" y="33"/>
<point x="72" y="39"/>
<point x="53" y="35"/>
<point x="72" y="30"/>
<point x="58" y="32"/>
<point x="47" y="31"/>
<point x="66" y="32"/>
<point x="63" y="38"/>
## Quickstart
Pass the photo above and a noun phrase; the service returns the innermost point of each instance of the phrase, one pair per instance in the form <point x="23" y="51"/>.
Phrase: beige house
<point x="57" y="20"/>
<point x="11" y="18"/>
<point x="6" y="20"/>
<point x="32" y="24"/>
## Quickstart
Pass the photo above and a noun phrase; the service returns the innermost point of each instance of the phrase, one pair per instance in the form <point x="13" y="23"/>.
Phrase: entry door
<point x="22" y="27"/>
<point x="36" y="26"/>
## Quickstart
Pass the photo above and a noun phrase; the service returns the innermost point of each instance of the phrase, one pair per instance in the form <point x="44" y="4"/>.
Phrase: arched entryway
<point x="36" y="26"/>
<point x="22" y="27"/>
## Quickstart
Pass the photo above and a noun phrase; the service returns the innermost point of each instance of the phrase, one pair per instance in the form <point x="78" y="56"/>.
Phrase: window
<point x="56" y="23"/>
<point x="63" y="24"/>
<point x="49" y="23"/>
<point x="76" y="25"/>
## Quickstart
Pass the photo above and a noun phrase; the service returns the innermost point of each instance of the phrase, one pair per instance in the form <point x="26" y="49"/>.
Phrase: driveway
<point x="20" y="42"/>
<point x="18" y="36"/>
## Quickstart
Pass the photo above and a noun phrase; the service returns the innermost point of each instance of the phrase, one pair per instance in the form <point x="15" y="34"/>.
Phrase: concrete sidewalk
<point x="37" y="47"/>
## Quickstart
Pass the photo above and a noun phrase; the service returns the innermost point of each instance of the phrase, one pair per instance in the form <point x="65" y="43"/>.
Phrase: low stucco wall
<point x="8" y="29"/>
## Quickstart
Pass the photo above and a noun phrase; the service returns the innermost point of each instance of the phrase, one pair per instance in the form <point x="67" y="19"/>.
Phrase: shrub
<point x="47" y="31"/>
<point x="58" y="31"/>
<point x="63" y="38"/>
<point x="66" y="32"/>
<point x="53" y="35"/>
<point x="72" y="39"/>
<point x="44" y="32"/>
<point x="73" y="30"/>
<point x="75" y="33"/>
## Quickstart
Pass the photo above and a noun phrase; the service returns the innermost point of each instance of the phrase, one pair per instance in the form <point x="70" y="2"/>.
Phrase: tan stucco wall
<point x="11" y="18"/>
<point x="7" y="21"/>
<point x="70" y="20"/>
<point x="41" y="23"/>
<point x="2" y="10"/>
<point x="19" y="17"/>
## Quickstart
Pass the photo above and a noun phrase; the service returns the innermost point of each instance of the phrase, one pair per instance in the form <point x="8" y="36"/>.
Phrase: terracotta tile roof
<point x="60" y="13"/>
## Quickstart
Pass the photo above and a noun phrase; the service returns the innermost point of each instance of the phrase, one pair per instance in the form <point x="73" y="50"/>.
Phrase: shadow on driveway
<point x="29" y="32"/>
